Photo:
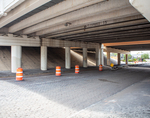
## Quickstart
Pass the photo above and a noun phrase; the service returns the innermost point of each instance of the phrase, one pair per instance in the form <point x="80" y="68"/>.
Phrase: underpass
<point x="40" y="35"/>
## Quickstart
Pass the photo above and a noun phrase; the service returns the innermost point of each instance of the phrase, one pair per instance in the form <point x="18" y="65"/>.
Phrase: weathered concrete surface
<point x="142" y="7"/>
<point x="108" y="94"/>
<point x="31" y="58"/>
<point x="56" y="57"/>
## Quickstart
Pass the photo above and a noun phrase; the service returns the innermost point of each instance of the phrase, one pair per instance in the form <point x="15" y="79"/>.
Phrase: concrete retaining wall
<point x="31" y="58"/>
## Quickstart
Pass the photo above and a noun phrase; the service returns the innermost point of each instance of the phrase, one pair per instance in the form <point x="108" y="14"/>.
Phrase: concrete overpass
<point x="70" y="23"/>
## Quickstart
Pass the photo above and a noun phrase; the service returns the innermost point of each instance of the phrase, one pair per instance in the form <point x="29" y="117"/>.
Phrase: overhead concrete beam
<point x="116" y="36"/>
<point x="54" y="11"/>
<point x="17" y="41"/>
<point x="113" y="40"/>
<point x="127" y="43"/>
<point x="59" y="22"/>
<point x="21" y="10"/>
<point x="113" y="50"/>
<point x="4" y="30"/>
<point x="97" y="20"/>
<point x="108" y="34"/>
<point x="135" y="27"/>
<point x="12" y="5"/>
<point x="63" y="43"/>
<point x="121" y="24"/>
<point x="142" y="6"/>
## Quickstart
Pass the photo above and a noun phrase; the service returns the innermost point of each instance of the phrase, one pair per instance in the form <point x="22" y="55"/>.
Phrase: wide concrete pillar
<point x="84" y="57"/>
<point x="126" y="59"/>
<point x="118" y="58"/>
<point x="142" y="6"/>
<point x="101" y="55"/>
<point x="16" y="55"/>
<point x="67" y="58"/>
<point x="98" y="49"/>
<point x="108" y="58"/>
<point x="43" y="57"/>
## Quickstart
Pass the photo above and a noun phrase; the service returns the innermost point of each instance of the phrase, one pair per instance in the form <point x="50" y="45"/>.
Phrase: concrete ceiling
<point x="38" y="9"/>
<point x="118" y="22"/>
<point x="133" y="47"/>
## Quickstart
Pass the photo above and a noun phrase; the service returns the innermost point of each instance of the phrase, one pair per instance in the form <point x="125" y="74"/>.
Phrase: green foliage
<point x="134" y="59"/>
<point x="144" y="60"/>
<point x="123" y="60"/>
<point x="145" y="56"/>
<point x="130" y="60"/>
<point x="113" y="54"/>
<point x="129" y="56"/>
<point x="138" y="59"/>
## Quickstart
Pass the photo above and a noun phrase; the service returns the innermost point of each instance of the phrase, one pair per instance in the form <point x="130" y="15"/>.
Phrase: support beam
<point x="142" y="6"/>
<point x="130" y="29"/>
<point x="97" y="56"/>
<point x="126" y="59"/>
<point x="87" y="36"/>
<point x="113" y="40"/>
<point x="55" y="24"/>
<point x="16" y="55"/>
<point x="67" y="58"/>
<point x="118" y="58"/>
<point x="63" y="43"/>
<point x="19" y="41"/>
<point x="108" y="58"/>
<point x="84" y="57"/>
<point x="134" y="47"/>
<point x="43" y="58"/>
<point x="55" y="11"/>
<point x="102" y="55"/>
<point x="118" y="25"/>
<point x="113" y="50"/>
<point x="21" y="10"/>
<point x="127" y="43"/>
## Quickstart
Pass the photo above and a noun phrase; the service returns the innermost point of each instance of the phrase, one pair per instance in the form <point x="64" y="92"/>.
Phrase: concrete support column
<point x="108" y="58"/>
<point x="43" y="57"/>
<point x="118" y="58"/>
<point x="67" y="58"/>
<point x="16" y="55"/>
<point x="126" y="59"/>
<point x="85" y="57"/>
<point x="101" y="55"/>
<point x="98" y="49"/>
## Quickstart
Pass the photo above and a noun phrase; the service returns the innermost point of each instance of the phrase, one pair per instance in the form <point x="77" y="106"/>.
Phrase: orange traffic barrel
<point x="58" y="71"/>
<point x="19" y="74"/>
<point x="77" y="69"/>
<point x="100" y="67"/>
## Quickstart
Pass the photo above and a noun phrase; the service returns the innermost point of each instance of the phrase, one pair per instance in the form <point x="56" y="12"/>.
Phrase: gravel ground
<point x="123" y="93"/>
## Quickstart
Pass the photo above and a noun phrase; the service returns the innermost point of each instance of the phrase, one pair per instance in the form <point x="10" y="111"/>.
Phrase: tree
<point x="145" y="56"/>
<point x="129" y="56"/>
